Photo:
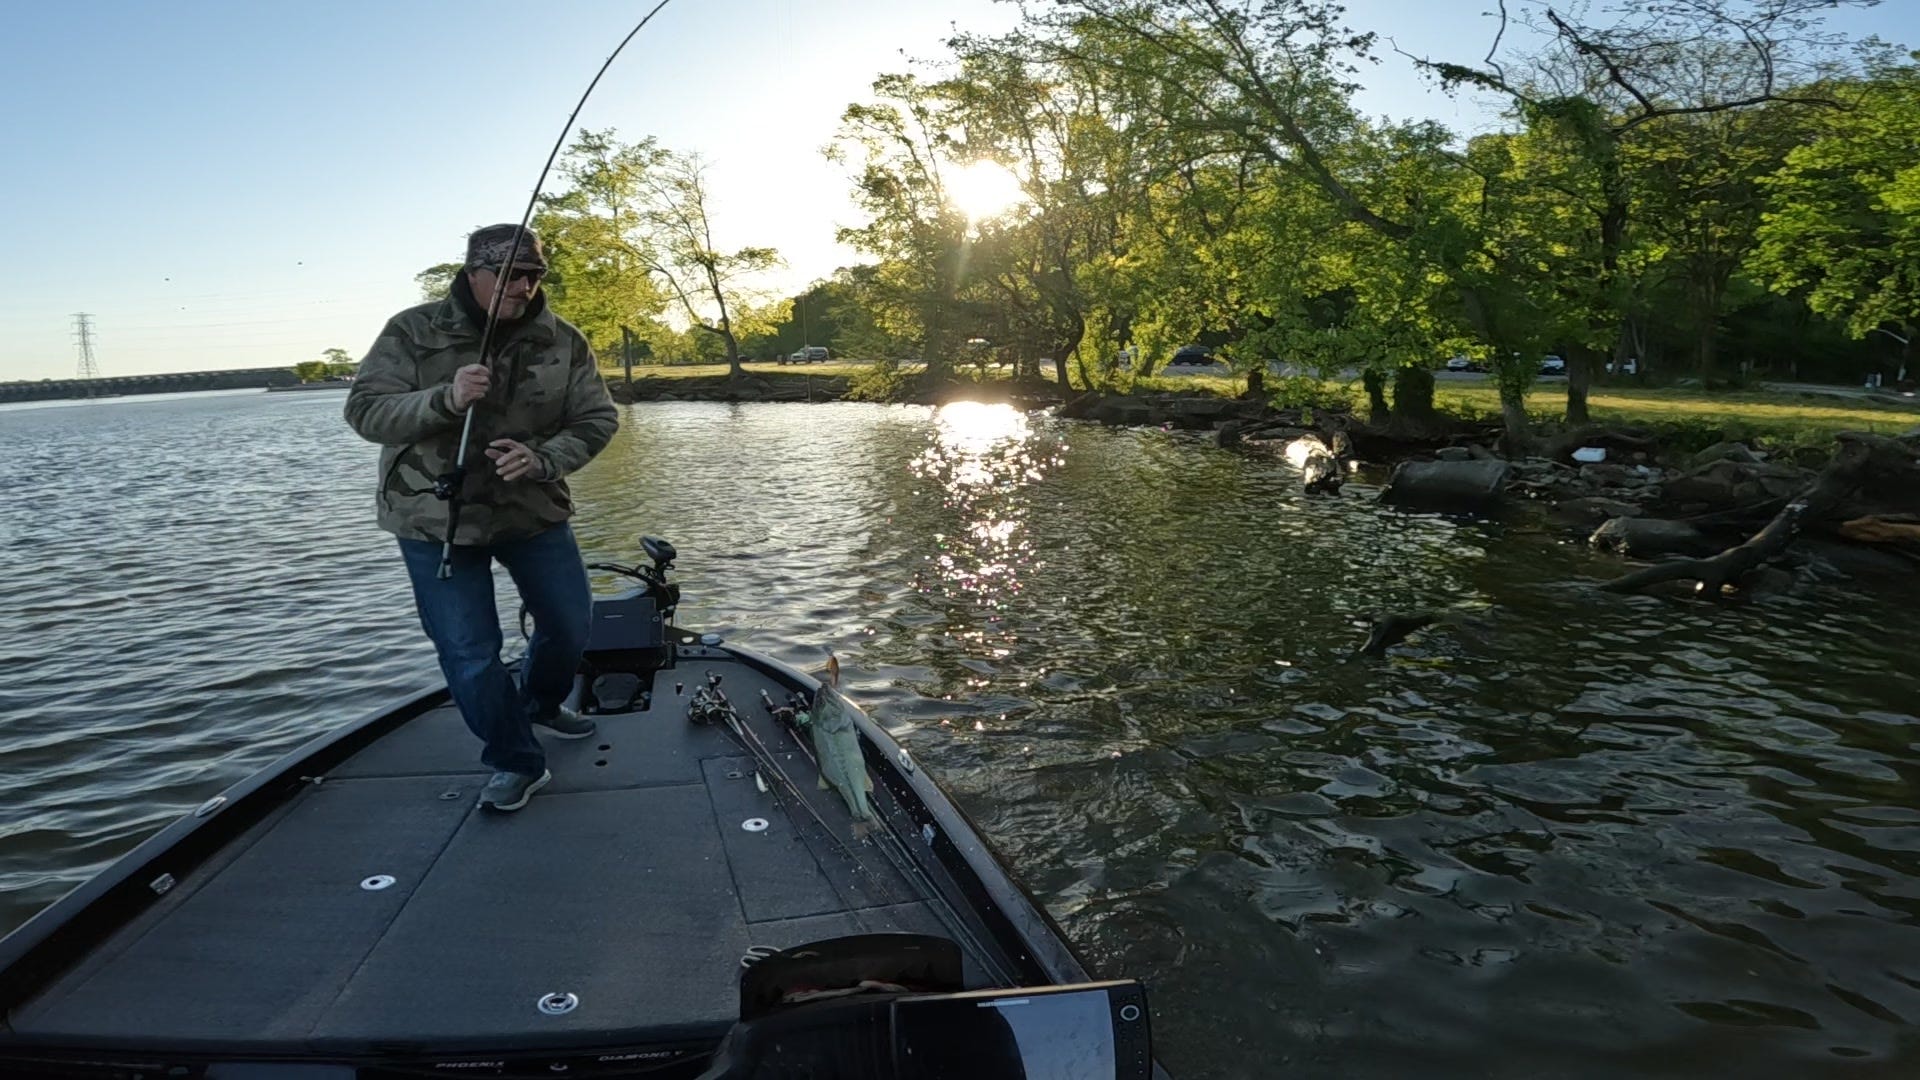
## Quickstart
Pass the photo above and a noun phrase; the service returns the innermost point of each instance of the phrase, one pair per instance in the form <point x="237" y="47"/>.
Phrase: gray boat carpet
<point x="630" y="883"/>
<point x="263" y="946"/>
<point x="620" y="898"/>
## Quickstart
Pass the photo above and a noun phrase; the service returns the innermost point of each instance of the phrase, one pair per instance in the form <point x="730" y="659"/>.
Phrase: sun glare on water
<point x="984" y="190"/>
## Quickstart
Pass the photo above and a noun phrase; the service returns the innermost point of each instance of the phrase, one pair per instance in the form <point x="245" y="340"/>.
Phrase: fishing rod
<point x="710" y="703"/>
<point x="890" y="845"/>
<point x="449" y="485"/>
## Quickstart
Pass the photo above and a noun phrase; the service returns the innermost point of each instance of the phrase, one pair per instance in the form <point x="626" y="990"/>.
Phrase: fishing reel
<point x="709" y="704"/>
<point x="794" y="713"/>
<point x="447" y="484"/>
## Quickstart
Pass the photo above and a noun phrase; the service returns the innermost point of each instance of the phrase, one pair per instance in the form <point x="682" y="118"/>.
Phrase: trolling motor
<point x="628" y="636"/>
<point x="665" y="594"/>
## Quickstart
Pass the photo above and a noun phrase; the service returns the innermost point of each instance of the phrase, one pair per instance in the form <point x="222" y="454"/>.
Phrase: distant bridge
<point x="171" y="383"/>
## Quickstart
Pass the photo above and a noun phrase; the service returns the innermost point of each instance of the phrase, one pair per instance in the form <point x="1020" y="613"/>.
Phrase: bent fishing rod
<point x="449" y="485"/>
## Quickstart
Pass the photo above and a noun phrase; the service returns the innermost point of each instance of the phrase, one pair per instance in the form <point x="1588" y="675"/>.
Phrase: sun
<point x="984" y="189"/>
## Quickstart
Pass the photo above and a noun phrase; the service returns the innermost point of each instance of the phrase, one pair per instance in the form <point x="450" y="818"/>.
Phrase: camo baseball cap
<point x="490" y="246"/>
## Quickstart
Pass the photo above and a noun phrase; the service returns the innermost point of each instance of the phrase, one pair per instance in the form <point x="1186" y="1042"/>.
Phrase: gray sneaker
<point x="567" y="724"/>
<point x="511" y="790"/>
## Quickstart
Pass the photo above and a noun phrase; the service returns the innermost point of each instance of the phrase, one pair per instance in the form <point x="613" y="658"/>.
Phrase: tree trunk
<point x="734" y="370"/>
<point x="1613" y="239"/>
<point x="1513" y="410"/>
<point x="1579" y="375"/>
<point x="1256" y="384"/>
<point x="1377" y="412"/>
<point x="1704" y="350"/>
<point x="1413" y="396"/>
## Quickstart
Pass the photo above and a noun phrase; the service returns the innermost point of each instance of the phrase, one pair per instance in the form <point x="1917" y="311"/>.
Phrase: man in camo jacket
<point x="540" y="412"/>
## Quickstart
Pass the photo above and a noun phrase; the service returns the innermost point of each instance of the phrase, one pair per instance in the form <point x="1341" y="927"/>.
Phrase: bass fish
<point x="836" y="745"/>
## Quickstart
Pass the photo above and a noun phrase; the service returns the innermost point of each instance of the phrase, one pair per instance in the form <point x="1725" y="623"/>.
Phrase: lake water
<point x="1574" y="835"/>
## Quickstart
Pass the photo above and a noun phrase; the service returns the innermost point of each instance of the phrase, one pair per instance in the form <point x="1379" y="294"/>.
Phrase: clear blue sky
<point x="244" y="183"/>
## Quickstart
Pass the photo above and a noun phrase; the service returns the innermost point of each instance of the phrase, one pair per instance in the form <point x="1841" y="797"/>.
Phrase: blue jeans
<point x="460" y="617"/>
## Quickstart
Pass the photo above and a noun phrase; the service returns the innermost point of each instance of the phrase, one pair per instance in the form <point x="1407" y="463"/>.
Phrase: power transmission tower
<point x="83" y="333"/>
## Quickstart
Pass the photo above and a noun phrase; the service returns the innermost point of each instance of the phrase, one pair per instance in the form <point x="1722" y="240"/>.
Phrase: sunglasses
<point x="518" y="273"/>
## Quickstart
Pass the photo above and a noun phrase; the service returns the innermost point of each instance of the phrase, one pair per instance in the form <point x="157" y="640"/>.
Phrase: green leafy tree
<point x="899" y="148"/>
<point x="595" y="232"/>
<point x="1843" y="226"/>
<point x="435" y="280"/>
<point x="1700" y="196"/>
<point x="1611" y="75"/>
<point x="1273" y="80"/>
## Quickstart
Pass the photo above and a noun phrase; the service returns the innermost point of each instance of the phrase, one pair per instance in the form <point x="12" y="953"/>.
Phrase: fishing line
<point x="448" y="486"/>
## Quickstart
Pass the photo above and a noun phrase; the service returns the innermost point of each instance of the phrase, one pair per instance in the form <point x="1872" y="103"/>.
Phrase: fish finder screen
<point x="1060" y="1036"/>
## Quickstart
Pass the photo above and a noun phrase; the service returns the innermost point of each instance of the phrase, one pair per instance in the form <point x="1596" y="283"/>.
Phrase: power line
<point x="83" y="332"/>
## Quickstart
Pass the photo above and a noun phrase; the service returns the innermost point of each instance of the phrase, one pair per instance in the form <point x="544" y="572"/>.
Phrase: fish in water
<point x="836" y="746"/>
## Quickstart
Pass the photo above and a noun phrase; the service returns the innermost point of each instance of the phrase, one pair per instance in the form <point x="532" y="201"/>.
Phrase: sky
<point x="246" y="183"/>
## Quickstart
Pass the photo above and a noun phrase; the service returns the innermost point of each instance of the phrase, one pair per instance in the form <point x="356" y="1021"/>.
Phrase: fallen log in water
<point x="1862" y="459"/>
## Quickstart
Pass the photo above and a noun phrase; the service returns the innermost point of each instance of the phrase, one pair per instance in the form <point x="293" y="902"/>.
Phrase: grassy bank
<point x="1785" y="415"/>
<point x="1810" y="416"/>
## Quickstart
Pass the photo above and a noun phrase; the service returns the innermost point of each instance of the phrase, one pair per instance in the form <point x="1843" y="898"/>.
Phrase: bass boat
<point x="740" y="875"/>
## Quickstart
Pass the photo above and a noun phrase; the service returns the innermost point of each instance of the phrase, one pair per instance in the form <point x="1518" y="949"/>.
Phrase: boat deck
<point x="627" y="882"/>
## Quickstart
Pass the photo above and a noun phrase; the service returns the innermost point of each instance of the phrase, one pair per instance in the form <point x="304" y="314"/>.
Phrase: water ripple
<point x="1565" y="834"/>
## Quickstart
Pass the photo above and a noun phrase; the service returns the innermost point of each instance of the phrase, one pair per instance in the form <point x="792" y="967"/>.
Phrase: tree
<point x="711" y="286"/>
<point x="1700" y="197"/>
<point x="1273" y="79"/>
<point x="332" y="362"/>
<point x="1843" y="227"/>
<point x="597" y="242"/>
<point x="435" y="280"/>
<point x="898" y="146"/>
<point x="339" y="362"/>
<point x="1613" y="73"/>
<point x="629" y="236"/>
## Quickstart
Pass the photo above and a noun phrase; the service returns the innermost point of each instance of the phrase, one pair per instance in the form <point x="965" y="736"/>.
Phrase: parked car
<point x="1191" y="356"/>
<point x="1553" y="365"/>
<point x="1459" y="363"/>
<point x="808" y="354"/>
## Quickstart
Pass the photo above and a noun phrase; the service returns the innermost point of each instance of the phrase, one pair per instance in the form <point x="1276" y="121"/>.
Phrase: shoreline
<point x="1655" y="489"/>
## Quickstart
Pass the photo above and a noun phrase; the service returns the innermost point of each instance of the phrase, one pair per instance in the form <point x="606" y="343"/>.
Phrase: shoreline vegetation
<point x="1786" y="413"/>
<point x="1739" y="493"/>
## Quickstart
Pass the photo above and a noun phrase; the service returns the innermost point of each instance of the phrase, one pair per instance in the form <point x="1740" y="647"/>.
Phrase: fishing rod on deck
<point x="449" y="485"/>
<point x="710" y="703"/>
